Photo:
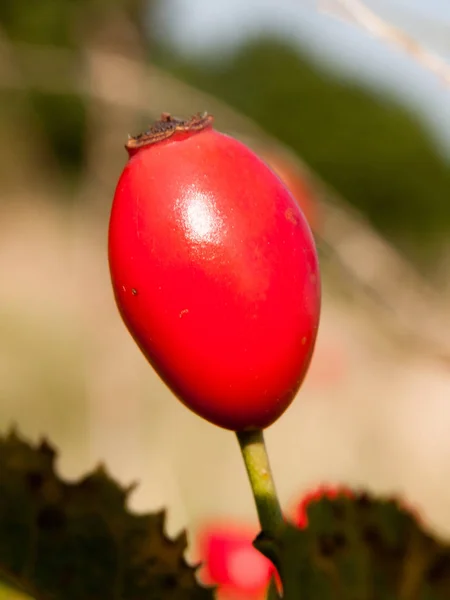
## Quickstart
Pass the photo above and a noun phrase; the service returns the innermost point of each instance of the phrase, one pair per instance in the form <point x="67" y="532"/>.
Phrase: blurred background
<point x="359" y="130"/>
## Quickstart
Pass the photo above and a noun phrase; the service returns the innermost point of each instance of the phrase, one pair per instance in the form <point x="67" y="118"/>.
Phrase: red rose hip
<point x="215" y="272"/>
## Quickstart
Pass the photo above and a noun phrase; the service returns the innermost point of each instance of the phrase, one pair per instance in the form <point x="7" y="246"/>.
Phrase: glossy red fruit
<point x="297" y="185"/>
<point x="215" y="272"/>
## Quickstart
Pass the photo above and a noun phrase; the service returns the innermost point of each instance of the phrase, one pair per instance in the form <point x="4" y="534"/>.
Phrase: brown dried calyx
<point x="166" y="127"/>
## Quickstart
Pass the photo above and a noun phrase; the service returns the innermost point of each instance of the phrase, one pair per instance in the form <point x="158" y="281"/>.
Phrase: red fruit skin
<point x="215" y="274"/>
<point x="297" y="186"/>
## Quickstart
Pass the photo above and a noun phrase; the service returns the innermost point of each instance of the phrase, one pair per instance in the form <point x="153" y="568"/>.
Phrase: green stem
<point x="256" y="461"/>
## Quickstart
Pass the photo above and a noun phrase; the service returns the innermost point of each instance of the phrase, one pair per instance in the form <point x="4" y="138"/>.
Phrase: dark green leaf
<point x="359" y="548"/>
<point x="78" y="541"/>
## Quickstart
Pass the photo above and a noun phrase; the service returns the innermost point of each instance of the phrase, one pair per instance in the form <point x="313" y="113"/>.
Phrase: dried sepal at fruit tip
<point x="166" y="127"/>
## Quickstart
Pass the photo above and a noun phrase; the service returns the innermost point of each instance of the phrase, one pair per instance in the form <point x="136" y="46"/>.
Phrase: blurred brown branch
<point x="356" y="12"/>
<point x="376" y="274"/>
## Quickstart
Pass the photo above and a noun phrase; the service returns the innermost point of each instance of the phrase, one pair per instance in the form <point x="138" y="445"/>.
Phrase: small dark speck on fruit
<point x="134" y="291"/>
<point x="303" y="341"/>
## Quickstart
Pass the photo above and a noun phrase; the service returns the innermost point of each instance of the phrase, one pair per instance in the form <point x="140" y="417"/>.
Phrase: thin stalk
<point x="256" y="461"/>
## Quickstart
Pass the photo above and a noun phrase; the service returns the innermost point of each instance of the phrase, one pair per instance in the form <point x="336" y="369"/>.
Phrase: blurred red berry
<point x="329" y="366"/>
<point x="232" y="563"/>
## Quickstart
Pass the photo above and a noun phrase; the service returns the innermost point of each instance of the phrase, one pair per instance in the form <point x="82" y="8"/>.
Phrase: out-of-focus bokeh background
<point x="361" y="133"/>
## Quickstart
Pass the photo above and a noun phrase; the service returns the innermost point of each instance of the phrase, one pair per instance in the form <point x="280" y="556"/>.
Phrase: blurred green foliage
<point x="359" y="547"/>
<point x="47" y="21"/>
<point x="63" y="24"/>
<point x="63" y="119"/>
<point x="79" y="540"/>
<point x="6" y="593"/>
<point x="376" y="153"/>
<point x="371" y="149"/>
